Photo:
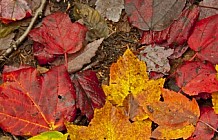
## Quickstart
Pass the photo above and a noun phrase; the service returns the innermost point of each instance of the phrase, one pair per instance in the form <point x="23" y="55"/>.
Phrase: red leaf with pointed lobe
<point x="89" y="94"/>
<point x="59" y="35"/>
<point x="204" y="39"/>
<point x="12" y="10"/>
<point x="177" y="33"/>
<point x="42" y="55"/>
<point x="31" y="104"/>
<point x="196" y="77"/>
<point x="202" y="130"/>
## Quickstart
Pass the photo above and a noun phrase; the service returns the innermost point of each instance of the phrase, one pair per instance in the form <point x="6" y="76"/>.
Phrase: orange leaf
<point x="111" y="123"/>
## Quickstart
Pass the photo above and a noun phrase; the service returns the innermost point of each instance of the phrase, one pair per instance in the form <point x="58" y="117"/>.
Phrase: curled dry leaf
<point x="12" y="10"/>
<point x="110" y="123"/>
<point x="93" y="20"/>
<point x="89" y="94"/>
<point x="59" y="35"/>
<point x="176" y="115"/>
<point x="156" y="58"/>
<point x="36" y="103"/>
<point x="154" y="15"/>
<point x="204" y="39"/>
<point x="111" y="9"/>
<point x="195" y="77"/>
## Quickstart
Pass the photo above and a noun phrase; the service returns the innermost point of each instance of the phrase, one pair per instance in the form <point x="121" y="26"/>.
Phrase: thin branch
<point x="211" y="127"/>
<point x="15" y="44"/>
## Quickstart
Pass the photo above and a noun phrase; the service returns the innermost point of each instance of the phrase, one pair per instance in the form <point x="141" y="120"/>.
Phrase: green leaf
<point x="50" y="135"/>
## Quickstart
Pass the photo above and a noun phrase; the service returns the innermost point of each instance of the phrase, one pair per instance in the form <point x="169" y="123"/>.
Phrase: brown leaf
<point x="6" y="41"/>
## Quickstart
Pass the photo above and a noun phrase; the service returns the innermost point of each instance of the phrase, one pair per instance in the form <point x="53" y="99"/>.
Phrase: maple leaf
<point x="176" y="115"/>
<point x="50" y="135"/>
<point x="89" y="94"/>
<point x="59" y="35"/>
<point x="111" y="123"/>
<point x="153" y="14"/>
<point x="204" y="39"/>
<point x="177" y="33"/>
<point x="36" y="103"/>
<point x="129" y="75"/>
<point x="196" y="77"/>
<point x="156" y="58"/>
<point x="12" y="10"/>
<point x="202" y="130"/>
<point x="111" y="9"/>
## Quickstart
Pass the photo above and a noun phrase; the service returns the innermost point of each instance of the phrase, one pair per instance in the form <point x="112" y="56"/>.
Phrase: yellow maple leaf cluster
<point x="133" y="102"/>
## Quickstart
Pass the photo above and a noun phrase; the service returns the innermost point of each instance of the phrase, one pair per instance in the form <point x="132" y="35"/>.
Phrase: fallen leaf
<point x="59" y="35"/>
<point x="89" y="94"/>
<point x="5" y="42"/>
<point x="7" y="29"/>
<point x="215" y="101"/>
<point x="111" y="9"/>
<point x="204" y="39"/>
<point x="156" y="58"/>
<point x="153" y="15"/>
<point x="179" y="51"/>
<point x="50" y="135"/>
<point x="176" y="113"/>
<point x="110" y="123"/>
<point x="196" y="77"/>
<point x="12" y="10"/>
<point x="205" y="11"/>
<point x="202" y="130"/>
<point x="129" y="76"/>
<point x="93" y="20"/>
<point x="36" y="103"/>
<point x="177" y="33"/>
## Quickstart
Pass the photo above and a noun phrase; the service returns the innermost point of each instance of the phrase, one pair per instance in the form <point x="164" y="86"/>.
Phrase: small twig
<point x="208" y="7"/>
<point x="211" y="127"/>
<point x="15" y="44"/>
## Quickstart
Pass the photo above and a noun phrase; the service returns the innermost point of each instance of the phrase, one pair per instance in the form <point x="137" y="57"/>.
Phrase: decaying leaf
<point x="202" y="130"/>
<point x="50" y="135"/>
<point x="6" y="41"/>
<point x="156" y="58"/>
<point x="154" y="15"/>
<point x="176" y="113"/>
<point x="196" y="77"/>
<point x="205" y="11"/>
<point x="110" y="123"/>
<point x="7" y="29"/>
<point x="89" y="94"/>
<point x="129" y="75"/>
<point x="12" y="10"/>
<point x="204" y="39"/>
<point x="111" y="9"/>
<point x="93" y="20"/>
<point x="59" y="35"/>
<point x="31" y="104"/>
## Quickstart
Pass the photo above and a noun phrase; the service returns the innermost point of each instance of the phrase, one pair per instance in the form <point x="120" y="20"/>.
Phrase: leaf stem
<point x="193" y="57"/>
<point x="208" y="125"/>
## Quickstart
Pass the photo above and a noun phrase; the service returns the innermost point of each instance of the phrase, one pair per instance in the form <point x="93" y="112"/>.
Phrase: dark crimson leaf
<point x="41" y="54"/>
<point x="204" y="39"/>
<point x="153" y="15"/>
<point x="31" y="104"/>
<point x="59" y="35"/>
<point x="196" y="77"/>
<point x="202" y="130"/>
<point x="177" y="33"/>
<point x="12" y="10"/>
<point x="89" y="94"/>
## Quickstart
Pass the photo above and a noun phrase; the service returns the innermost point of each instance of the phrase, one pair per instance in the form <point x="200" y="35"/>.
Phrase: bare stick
<point x="24" y="35"/>
<point x="211" y="127"/>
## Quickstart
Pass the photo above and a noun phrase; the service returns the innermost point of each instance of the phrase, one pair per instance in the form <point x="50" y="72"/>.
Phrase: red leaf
<point x="197" y="77"/>
<point x="41" y="54"/>
<point x="89" y="94"/>
<point x="177" y="33"/>
<point x="31" y="104"/>
<point x="12" y="10"/>
<point x="59" y="35"/>
<point x="202" y="130"/>
<point x="153" y="14"/>
<point x="204" y="39"/>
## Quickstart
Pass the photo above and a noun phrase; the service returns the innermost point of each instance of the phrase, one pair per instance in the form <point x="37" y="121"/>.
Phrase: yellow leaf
<point x="111" y="123"/>
<point x="50" y="135"/>
<point x="129" y="75"/>
<point x="215" y="101"/>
